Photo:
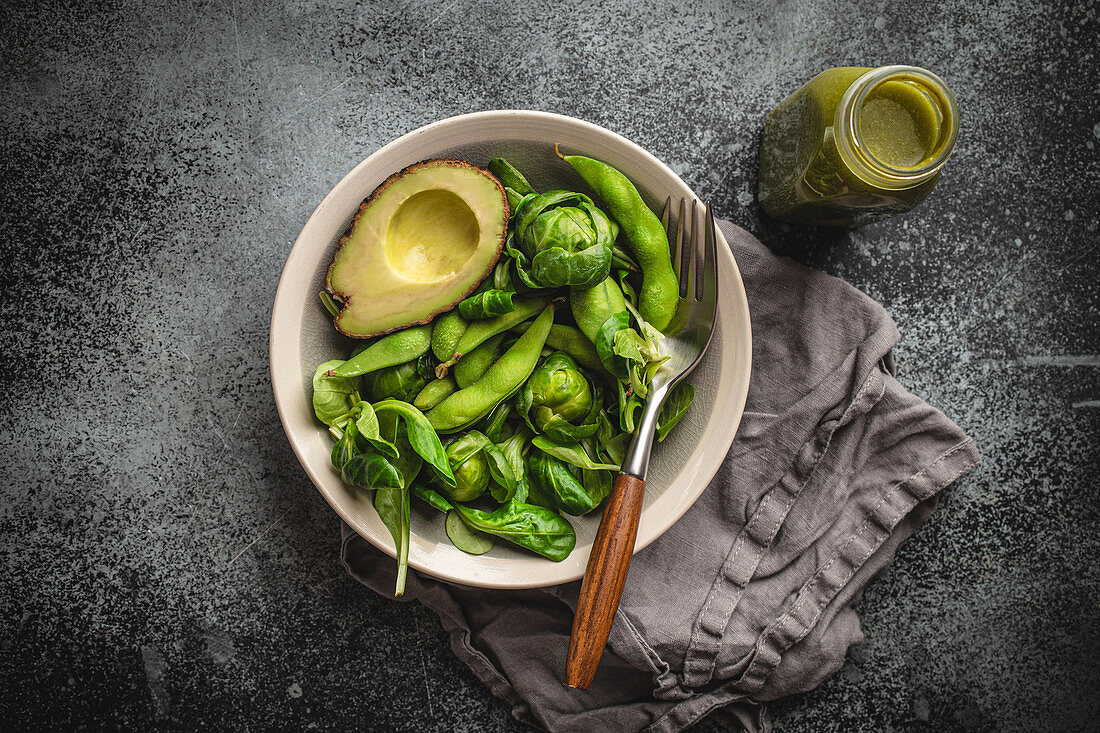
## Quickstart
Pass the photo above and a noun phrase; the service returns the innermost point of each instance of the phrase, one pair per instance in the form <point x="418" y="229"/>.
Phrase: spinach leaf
<point x="370" y="471"/>
<point x="366" y="422"/>
<point x="431" y="497"/>
<point x="332" y="396"/>
<point x="368" y="431"/>
<point x="598" y="485"/>
<point x="392" y="505"/>
<point x="493" y="423"/>
<point x="629" y="406"/>
<point x="572" y="453"/>
<point x="676" y="404"/>
<point x="611" y="441"/>
<point x="466" y="538"/>
<point x="421" y="435"/>
<point x="513" y="450"/>
<point x="605" y="344"/>
<point x="344" y="448"/>
<point x="556" y="481"/>
<point x="503" y="487"/>
<point x="536" y="528"/>
<point x="502" y="276"/>
<point x="487" y="304"/>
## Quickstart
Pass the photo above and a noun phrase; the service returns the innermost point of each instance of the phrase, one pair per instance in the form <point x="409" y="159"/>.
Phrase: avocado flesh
<point x="422" y="242"/>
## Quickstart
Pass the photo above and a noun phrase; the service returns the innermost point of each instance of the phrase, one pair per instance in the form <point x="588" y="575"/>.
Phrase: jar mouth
<point x="852" y="140"/>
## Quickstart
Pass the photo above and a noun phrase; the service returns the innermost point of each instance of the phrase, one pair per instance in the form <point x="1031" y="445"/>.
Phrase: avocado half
<point x="419" y="244"/>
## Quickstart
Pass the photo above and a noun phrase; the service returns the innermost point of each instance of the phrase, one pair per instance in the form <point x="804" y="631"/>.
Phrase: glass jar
<point x="856" y="144"/>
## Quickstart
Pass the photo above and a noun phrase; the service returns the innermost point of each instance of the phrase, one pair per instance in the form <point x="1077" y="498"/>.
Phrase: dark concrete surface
<point x="166" y="563"/>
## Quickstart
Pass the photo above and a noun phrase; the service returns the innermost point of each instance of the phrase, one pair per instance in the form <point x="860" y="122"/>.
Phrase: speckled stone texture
<point x="166" y="563"/>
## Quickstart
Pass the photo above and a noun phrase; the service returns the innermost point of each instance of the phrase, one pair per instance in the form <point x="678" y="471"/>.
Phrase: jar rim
<point x="855" y="152"/>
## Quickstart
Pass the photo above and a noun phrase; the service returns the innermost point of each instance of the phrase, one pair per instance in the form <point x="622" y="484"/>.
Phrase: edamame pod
<point x="509" y="176"/>
<point x="473" y="366"/>
<point x="503" y="378"/>
<point x="479" y="332"/>
<point x="576" y="344"/>
<point x="660" y="288"/>
<point x="390" y="350"/>
<point x="434" y="392"/>
<point x="592" y="307"/>
<point x="447" y="329"/>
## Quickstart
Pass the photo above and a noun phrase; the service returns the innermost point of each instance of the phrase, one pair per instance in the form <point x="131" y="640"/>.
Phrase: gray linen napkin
<point x="748" y="597"/>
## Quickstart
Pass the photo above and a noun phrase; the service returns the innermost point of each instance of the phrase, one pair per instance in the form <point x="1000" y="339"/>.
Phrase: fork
<point x="687" y="340"/>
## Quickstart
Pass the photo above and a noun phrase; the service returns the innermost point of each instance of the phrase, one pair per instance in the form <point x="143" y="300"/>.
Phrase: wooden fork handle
<point x="603" y="580"/>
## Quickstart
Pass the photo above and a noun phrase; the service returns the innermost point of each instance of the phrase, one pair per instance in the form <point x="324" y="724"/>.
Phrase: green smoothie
<point x="900" y="124"/>
<point x="856" y="144"/>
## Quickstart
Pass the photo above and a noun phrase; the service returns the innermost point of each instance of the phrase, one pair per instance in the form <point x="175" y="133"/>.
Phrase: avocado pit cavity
<point x="431" y="236"/>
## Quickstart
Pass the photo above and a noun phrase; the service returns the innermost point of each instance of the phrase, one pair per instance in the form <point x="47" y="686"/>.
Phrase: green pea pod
<point x="515" y="198"/>
<point x="536" y="528"/>
<point x="479" y="332"/>
<point x="474" y="365"/>
<point x="574" y="343"/>
<point x="592" y="307"/>
<point x="510" y="177"/>
<point x="447" y="329"/>
<point x="390" y="350"/>
<point x="503" y="378"/>
<point x="643" y="230"/>
<point x="434" y="392"/>
<point x="487" y="304"/>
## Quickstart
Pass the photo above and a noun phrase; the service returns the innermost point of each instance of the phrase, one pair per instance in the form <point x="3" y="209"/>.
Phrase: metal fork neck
<point x="636" y="461"/>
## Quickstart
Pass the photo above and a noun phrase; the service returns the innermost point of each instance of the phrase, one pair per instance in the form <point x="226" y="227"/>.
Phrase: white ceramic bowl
<point x="302" y="336"/>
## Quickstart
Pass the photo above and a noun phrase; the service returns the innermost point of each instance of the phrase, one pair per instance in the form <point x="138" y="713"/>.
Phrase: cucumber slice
<point x="470" y="541"/>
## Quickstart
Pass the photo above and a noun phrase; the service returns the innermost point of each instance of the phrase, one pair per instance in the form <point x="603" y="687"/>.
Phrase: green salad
<point x="510" y="409"/>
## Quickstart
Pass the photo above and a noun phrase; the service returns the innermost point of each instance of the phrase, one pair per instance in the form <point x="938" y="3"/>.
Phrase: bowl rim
<point x="281" y="302"/>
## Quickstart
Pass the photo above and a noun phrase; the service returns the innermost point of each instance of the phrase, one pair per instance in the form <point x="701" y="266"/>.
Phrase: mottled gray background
<point x="165" y="560"/>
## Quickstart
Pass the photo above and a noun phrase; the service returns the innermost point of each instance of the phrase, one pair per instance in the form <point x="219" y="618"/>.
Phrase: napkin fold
<point x="748" y="597"/>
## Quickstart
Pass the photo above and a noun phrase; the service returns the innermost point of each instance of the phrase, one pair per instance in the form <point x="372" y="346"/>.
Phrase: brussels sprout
<point x="470" y="467"/>
<point x="402" y="382"/>
<point x="558" y="401"/>
<point x="566" y="239"/>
